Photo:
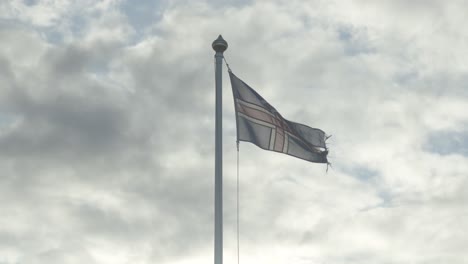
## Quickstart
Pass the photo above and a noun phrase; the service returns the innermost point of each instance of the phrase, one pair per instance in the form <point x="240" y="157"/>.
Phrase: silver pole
<point x="219" y="45"/>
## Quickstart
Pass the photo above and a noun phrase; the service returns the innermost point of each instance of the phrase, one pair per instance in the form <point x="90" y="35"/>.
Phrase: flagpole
<point x="219" y="45"/>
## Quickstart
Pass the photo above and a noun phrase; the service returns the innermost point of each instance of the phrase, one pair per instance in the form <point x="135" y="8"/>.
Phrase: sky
<point x="107" y="131"/>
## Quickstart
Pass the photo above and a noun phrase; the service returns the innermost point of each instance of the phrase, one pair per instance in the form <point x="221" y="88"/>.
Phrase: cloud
<point x="106" y="132"/>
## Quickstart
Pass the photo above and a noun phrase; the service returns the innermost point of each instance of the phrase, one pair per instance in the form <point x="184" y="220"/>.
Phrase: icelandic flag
<point x="259" y="123"/>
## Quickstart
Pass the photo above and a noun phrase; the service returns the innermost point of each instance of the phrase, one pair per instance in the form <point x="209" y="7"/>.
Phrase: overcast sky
<point x="107" y="131"/>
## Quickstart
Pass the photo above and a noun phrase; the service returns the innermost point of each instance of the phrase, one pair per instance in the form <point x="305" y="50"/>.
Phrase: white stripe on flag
<point x="285" y="144"/>
<point x="259" y="122"/>
<point x="254" y="106"/>
<point x="272" y="139"/>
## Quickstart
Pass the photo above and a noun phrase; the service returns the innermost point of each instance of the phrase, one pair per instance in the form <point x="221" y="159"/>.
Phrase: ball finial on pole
<point x="219" y="45"/>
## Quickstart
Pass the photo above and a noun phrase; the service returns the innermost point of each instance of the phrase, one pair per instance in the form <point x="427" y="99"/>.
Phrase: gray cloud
<point x="106" y="132"/>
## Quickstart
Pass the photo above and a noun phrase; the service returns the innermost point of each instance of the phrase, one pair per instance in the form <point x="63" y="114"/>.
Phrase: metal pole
<point x="219" y="45"/>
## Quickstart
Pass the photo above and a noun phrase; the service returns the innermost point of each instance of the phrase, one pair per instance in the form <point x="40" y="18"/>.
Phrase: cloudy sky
<point x="107" y="131"/>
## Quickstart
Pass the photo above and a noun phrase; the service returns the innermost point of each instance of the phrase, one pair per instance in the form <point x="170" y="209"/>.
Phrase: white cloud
<point x="106" y="132"/>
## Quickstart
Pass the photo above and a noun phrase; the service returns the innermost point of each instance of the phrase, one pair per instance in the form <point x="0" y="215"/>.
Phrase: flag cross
<point x="268" y="116"/>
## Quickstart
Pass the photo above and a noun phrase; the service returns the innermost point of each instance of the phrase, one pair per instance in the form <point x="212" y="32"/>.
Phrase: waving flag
<point x="259" y="123"/>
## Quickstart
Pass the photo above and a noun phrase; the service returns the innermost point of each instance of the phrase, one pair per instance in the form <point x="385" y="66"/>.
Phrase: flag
<point x="259" y="123"/>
